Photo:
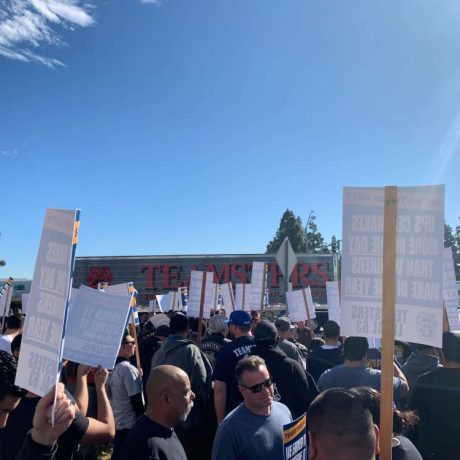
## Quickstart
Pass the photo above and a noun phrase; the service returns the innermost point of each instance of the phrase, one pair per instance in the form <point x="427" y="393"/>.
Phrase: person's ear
<point x="377" y="439"/>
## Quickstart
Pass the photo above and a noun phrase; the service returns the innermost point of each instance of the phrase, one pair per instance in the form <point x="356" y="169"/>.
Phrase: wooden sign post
<point x="306" y="307"/>
<point x="200" y="319"/>
<point x="388" y="321"/>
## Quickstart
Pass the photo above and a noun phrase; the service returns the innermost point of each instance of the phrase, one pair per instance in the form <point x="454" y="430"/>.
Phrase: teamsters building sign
<point x="153" y="275"/>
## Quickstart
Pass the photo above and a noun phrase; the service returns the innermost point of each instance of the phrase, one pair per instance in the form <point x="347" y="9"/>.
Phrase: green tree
<point x="315" y="241"/>
<point x="452" y="239"/>
<point x="2" y="263"/>
<point x="292" y="227"/>
<point x="334" y="245"/>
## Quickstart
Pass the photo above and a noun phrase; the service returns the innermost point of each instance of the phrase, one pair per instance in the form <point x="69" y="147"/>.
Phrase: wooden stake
<point x="263" y="289"/>
<point x="445" y="321"/>
<point x="306" y="307"/>
<point x="388" y="321"/>
<point x="200" y="319"/>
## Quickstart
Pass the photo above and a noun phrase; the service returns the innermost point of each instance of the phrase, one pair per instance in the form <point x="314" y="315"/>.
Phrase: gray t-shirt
<point x="291" y="351"/>
<point x="349" y="377"/>
<point x="246" y="436"/>
<point x="123" y="382"/>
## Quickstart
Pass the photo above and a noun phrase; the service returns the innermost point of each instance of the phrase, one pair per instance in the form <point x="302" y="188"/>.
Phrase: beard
<point x="186" y="413"/>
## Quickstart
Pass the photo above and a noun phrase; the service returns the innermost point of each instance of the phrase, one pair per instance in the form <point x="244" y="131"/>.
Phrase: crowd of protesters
<point x="224" y="393"/>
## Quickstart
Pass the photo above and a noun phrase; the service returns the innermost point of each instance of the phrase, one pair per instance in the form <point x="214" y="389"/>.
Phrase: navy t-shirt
<point x="224" y="370"/>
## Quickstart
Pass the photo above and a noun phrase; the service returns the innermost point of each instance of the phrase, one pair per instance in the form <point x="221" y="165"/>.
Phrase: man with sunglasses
<point x="254" y="430"/>
<point x="124" y="387"/>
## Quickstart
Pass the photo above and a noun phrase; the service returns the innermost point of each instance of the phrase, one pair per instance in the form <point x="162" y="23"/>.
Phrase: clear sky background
<point x="189" y="126"/>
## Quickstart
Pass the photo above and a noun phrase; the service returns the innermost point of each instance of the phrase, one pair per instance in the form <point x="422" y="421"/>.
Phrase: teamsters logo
<point x="98" y="275"/>
<point x="426" y="326"/>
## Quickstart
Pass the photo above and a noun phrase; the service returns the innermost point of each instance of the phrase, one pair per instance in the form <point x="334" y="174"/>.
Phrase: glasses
<point x="259" y="386"/>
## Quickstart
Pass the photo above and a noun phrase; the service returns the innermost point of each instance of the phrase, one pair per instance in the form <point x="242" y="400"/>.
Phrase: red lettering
<point x="171" y="273"/>
<point x="238" y="274"/>
<point x="220" y="278"/>
<point x="150" y="269"/>
<point x="322" y="273"/>
<point x="300" y="275"/>
<point x="275" y="275"/>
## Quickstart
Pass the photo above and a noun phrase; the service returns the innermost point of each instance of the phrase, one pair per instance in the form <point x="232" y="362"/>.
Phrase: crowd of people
<point x="225" y="392"/>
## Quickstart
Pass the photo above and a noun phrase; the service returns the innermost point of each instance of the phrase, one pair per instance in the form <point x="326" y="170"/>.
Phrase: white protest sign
<point x="120" y="289"/>
<point x="175" y="300"/>
<point x="163" y="301"/>
<point x="194" y="294"/>
<point x="256" y="297"/>
<point x="310" y="303"/>
<point x="5" y="301"/>
<point x="333" y="301"/>
<point x="25" y="301"/>
<point x="450" y="293"/>
<point x="210" y="295"/>
<point x="419" y="251"/>
<point x="228" y="298"/>
<point x="39" y="362"/>
<point x="95" y="327"/>
<point x="296" y="305"/>
<point x="242" y="293"/>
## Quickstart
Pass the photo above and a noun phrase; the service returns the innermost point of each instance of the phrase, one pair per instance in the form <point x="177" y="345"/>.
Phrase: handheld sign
<point x="194" y="293"/>
<point x="210" y="295"/>
<point x="256" y="297"/>
<point x="242" y="293"/>
<point x="450" y="293"/>
<point x="95" y="328"/>
<point x="419" y="251"/>
<point x="296" y="305"/>
<point x="5" y="299"/>
<point x="295" y="446"/>
<point x="333" y="301"/>
<point x="44" y="327"/>
<point x="227" y="295"/>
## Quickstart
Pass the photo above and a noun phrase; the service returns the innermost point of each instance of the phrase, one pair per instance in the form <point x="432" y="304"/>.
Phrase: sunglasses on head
<point x="258" y="387"/>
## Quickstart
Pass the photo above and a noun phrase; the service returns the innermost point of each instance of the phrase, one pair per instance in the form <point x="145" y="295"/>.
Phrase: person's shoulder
<point x="228" y="423"/>
<point x="281" y="410"/>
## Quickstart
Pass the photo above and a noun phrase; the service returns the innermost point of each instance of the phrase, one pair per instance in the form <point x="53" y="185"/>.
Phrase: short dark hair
<point x="355" y="348"/>
<point x="178" y="324"/>
<point x="243" y="327"/>
<point x="451" y="346"/>
<point x="14" y="322"/>
<point x="248" y="363"/>
<point x="331" y="330"/>
<point x="8" y="366"/>
<point x="16" y="343"/>
<point x="402" y="420"/>
<point x="339" y="420"/>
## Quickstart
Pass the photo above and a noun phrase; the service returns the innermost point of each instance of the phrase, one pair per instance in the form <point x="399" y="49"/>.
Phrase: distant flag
<point x="133" y="304"/>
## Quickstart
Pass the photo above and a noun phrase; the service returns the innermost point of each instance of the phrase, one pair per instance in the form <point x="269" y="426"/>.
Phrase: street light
<point x="306" y="230"/>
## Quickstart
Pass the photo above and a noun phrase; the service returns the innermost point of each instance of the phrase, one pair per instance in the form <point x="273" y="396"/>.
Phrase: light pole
<point x="306" y="230"/>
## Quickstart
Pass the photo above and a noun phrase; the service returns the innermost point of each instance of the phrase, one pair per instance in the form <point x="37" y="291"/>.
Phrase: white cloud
<point x="26" y="25"/>
<point x="9" y="153"/>
<point x="152" y="2"/>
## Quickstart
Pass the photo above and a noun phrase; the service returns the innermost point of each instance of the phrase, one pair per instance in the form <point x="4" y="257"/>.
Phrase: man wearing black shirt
<point x="226" y="393"/>
<point x="170" y="400"/>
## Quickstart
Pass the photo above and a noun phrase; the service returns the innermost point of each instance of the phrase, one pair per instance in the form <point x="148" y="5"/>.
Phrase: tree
<point x="315" y="241"/>
<point x="452" y="240"/>
<point x="292" y="227"/>
<point x="2" y="263"/>
<point x="335" y="247"/>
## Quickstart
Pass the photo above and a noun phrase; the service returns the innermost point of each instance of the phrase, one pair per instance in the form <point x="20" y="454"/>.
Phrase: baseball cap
<point x="283" y="323"/>
<point x="239" y="318"/>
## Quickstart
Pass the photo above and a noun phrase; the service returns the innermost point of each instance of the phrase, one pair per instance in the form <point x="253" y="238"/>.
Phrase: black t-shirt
<point x="406" y="450"/>
<point x="436" y="398"/>
<point x="224" y="370"/>
<point x="151" y="441"/>
<point x="20" y="422"/>
<point x="211" y="345"/>
<point x="322" y="359"/>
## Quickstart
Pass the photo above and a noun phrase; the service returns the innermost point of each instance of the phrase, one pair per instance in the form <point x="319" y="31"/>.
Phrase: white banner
<point x="296" y="305"/>
<point x="95" y="327"/>
<point x="210" y="295"/>
<point x="256" y="297"/>
<point x="228" y="298"/>
<point x="25" y="301"/>
<point x="333" y="301"/>
<point x="39" y="362"/>
<point x="242" y="293"/>
<point x="5" y="301"/>
<point x="419" y="252"/>
<point x="310" y="303"/>
<point x="194" y="294"/>
<point x="450" y="293"/>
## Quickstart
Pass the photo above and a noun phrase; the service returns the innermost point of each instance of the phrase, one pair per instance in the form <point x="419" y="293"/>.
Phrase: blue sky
<point x="184" y="127"/>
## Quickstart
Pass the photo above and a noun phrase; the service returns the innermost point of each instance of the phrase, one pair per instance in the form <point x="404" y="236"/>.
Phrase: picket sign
<point x="258" y="279"/>
<point x="39" y="365"/>
<point x="450" y="293"/>
<point x="206" y="275"/>
<point x="333" y="301"/>
<point x="242" y="294"/>
<point x="6" y="294"/>
<point x="227" y="295"/>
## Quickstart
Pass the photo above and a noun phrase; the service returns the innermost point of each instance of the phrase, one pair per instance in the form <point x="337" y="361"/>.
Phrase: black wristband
<point x="40" y="448"/>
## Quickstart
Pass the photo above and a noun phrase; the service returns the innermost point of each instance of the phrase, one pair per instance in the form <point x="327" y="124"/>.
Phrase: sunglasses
<point x="259" y="386"/>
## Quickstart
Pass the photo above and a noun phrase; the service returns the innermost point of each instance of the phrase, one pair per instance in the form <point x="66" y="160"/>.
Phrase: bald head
<point x="170" y="397"/>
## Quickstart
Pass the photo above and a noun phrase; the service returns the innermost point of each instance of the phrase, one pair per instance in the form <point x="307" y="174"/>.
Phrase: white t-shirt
<point x="5" y="343"/>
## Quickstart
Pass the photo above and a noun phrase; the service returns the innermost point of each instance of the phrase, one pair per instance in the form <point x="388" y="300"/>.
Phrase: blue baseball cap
<point x="240" y="318"/>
